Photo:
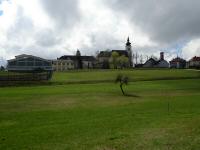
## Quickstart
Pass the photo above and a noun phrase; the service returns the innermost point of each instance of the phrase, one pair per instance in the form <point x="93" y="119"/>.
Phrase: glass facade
<point x="29" y="63"/>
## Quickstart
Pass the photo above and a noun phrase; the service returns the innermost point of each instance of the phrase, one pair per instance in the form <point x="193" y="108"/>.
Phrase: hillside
<point x="161" y="114"/>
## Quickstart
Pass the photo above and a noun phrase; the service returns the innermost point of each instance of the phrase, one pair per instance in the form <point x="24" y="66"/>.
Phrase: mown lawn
<point x="134" y="75"/>
<point x="161" y="115"/>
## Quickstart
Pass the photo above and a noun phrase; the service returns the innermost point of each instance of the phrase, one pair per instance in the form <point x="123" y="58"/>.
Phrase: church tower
<point x="79" y="60"/>
<point x="129" y="51"/>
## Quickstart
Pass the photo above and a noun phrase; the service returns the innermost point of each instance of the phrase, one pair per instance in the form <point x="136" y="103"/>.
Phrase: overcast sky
<point x="51" y="28"/>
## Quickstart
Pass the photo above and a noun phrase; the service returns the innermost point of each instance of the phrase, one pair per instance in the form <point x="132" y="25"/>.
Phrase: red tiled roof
<point x="195" y="58"/>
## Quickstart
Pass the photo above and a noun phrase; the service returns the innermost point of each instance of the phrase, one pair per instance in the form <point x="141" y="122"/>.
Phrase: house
<point x="70" y="62"/>
<point x="29" y="63"/>
<point x="63" y="64"/>
<point x="104" y="57"/>
<point x="150" y="63"/>
<point x="177" y="63"/>
<point x="153" y="63"/>
<point x="88" y="62"/>
<point x="194" y="62"/>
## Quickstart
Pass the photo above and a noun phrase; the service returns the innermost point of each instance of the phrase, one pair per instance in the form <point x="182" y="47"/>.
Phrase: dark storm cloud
<point x="64" y="12"/>
<point x="165" y="21"/>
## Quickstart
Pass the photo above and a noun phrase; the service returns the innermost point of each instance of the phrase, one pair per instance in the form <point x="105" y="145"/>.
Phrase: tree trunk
<point x="122" y="89"/>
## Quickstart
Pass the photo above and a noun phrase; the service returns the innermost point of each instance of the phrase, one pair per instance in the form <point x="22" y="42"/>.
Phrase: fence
<point x="10" y="76"/>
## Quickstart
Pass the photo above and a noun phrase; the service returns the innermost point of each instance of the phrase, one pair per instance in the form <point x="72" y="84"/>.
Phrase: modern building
<point x="178" y="63"/>
<point x="29" y="63"/>
<point x="153" y="63"/>
<point x="194" y="62"/>
<point x="104" y="57"/>
<point x="70" y="62"/>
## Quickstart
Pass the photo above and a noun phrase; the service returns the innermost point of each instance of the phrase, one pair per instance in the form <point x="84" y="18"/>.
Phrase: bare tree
<point x="122" y="80"/>
<point x="136" y="58"/>
<point x="141" y="59"/>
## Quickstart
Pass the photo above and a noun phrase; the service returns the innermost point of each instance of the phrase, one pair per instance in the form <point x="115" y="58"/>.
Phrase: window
<point x="29" y="63"/>
<point x="21" y="63"/>
<point x="47" y="63"/>
<point x="12" y="63"/>
<point x="30" y="59"/>
<point x="38" y="63"/>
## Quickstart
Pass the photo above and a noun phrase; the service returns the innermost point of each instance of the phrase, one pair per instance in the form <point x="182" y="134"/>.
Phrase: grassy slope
<point x="97" y="116"/>
<point x="104" y="75"/>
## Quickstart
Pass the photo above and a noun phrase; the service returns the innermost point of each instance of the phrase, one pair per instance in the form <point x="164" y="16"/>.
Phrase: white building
<point x="70" y="62"/>
<point x="152" y="63"/>
<point x="194" y="62"/>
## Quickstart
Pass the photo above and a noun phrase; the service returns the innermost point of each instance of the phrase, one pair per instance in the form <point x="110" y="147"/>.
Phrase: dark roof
<point x="25" y="56"/>
<point x="109" y="53"/>
<point x="177" y="59"/>
<point x="153" y="61"/>
<point x="104" y="54"/>
<point x="74" y="58"/>
<point x="121" y="52"/>
<point x="88" y="58"/>
<point x="65" y="57"/>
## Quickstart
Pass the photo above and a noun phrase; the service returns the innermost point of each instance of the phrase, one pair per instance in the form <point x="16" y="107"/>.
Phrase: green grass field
<point x="163" y="114"/>
<point x="134" y="75"/>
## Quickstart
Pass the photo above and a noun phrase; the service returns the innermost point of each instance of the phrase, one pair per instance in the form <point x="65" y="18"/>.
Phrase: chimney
<point x="162" y="56"/>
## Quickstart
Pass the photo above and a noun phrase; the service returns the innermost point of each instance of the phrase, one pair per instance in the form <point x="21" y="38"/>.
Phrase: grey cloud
<point x="165" y="21"/>
<point x="19" y="32"/>
<point x="103" y="41"/>
<point x="2" y="61"/>
<point x="47" y="38"/>
<point x="22" y="24"/>
<point x="64" y="12"/>
<point x="24" y="37"/>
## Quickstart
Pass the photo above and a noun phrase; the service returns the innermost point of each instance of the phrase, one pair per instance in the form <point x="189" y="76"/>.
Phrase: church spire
<point x="128" y="42"/>
<point x="129" y="51"/>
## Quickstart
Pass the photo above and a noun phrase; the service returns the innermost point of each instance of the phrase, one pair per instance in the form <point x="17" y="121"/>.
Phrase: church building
<point x="70" y="62"/>
<point x="104" y="57"/>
